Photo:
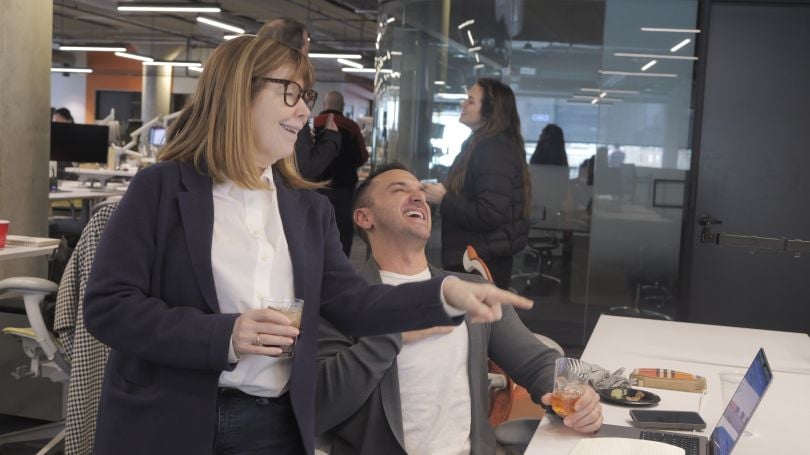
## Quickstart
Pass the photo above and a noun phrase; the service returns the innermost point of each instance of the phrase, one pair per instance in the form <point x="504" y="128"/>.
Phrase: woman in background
<point x="485" y="202"/>
<point x="550" y="147"/>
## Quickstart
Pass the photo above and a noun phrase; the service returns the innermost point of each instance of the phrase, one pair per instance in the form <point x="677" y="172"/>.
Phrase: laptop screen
<point x="744" y="402"/>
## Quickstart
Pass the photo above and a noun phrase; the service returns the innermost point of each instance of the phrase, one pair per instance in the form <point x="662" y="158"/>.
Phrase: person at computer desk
<point x="222" y="220"/>
<point x="422" y="391"/>
<point x="63" y="115"/>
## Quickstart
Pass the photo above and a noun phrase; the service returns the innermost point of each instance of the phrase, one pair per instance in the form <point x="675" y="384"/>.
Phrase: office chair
<point x="47" y="356"/>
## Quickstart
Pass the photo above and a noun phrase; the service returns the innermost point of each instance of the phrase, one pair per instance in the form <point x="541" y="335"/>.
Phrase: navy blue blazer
<point x="151" y="298"/>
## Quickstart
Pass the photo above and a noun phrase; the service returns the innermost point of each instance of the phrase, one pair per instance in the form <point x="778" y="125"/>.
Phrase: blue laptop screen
<point x="745" y="400"/>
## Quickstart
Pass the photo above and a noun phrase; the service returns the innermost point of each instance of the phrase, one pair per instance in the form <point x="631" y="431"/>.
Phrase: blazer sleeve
<point x="348" y="372"/>
<point x="119" y="309"/>
<point x="487" y="195"/>
<point x="358" y="309"/>
<point x="524" y="358"/>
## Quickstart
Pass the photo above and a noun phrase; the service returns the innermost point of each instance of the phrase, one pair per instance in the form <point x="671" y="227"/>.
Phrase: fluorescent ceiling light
<point x="600" y="90"/>
<point x="602" y="95"/>
<point x="469" y="35"/>
<point x="390" y="19"/>
<point x="672" y="30"/>
<point x="474" y="49"/>
<point x="135" y="56"/>
<point x="396" y="52"/>
<point x="630" y="73"/>
<point x="93" y="48"/>
<point x="148" y="7"/>
<point x="365" y="70"/>
<point x="452" y="96"/>
<point x="218" y="24"/>
<point x="477" y="60"/>
<point x="661" y="56"/>
<point x="595" y="100"/>
<point x="317" y="55"/>
<point x="680" y="45"/>
<point x="649" y="65"/>
<point x="479" y="66"/>
<point x="196" y="69"/>
<point x="186" y="64"/>
<point x="350" y="63"/>
<point x="466" y="24"/>
<point x="582" y="97"/>
<point x="438" y="82"/>
<point x="230" y="37"/>
<point x="71" y="70"/>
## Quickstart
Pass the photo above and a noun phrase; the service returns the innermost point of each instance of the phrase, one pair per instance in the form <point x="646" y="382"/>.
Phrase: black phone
<point x="667" y="420"/>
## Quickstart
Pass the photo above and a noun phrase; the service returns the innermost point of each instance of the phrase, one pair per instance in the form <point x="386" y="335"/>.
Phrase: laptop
<point x="730" y="427"/>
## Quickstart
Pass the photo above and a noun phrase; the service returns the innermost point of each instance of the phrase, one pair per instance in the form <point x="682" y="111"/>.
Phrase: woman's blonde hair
<point x="216" y="125"/>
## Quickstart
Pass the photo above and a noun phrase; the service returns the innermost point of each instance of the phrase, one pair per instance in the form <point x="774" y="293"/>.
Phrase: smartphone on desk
<point x="667" y="420"/>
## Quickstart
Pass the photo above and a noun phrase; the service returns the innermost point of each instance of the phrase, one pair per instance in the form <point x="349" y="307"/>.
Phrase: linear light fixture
<point x="631" y="73"/>
<point x="396" y="52"/>
<point x="135" y="56"/>
<point x="671" y="30"/>
<point x="93" y="48"/>
<point x="71" y="70"/>
<point x="230" y="37"/>
<point x="479" y="66"/>
<point x="683" y="43"/>
<point x="474" y="49"/>
<point x="438" y="83"/>
<point x="605" y="90"/>
<point x="365" y="70"/>
<point x="350" y="63"/>
<point x="649" y="65"/>
<point x="186" y="64"/>
<point x="196" y="69"/>
<point x="218" y="24"/>
<point x="470" y="37"/>
<point x="466" y="24"/>
<point x="167" y="8"/>
<point x="345" y="56"/>
<point x="452" y="96"/>
<point x="659" y="56"/>
<point x="390" y="19"/>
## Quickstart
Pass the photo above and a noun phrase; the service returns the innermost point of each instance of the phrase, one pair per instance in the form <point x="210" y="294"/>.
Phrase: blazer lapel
<point x="293" y="211"/>
<point x="197" y="215"/>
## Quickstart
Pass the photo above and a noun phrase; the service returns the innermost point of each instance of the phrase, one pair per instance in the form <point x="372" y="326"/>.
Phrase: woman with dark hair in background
<point x="487" y="198"/>
<point x="62" y="115"/>
<point x="550" y="147"/>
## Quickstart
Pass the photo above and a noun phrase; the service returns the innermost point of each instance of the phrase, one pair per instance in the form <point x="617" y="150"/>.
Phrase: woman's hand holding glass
<point x="435" y="192"/>
<point x="262" y="332"/>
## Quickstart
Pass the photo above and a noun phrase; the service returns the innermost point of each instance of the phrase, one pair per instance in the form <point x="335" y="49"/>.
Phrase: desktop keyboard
<point x="690" y="444"/>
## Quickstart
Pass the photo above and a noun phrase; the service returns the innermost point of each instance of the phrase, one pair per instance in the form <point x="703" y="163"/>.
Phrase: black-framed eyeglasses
<point x="293" y="92"/>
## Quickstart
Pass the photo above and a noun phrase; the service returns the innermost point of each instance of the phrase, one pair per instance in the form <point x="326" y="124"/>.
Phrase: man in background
<point x="425" y="391"/>
<point x="342" y="170"/>
<point x="313" y="152"/>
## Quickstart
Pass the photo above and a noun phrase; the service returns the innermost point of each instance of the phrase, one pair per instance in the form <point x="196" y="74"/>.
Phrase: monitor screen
<point x="132" y="125"/>
<point x="157" y="136"/>
<point x="79" y="143"/>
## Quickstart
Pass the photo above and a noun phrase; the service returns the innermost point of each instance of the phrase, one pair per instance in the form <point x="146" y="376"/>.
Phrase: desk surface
<point x="19" y="252"/>
<point x="779" y="424"/>
<point x="76" y="190"/>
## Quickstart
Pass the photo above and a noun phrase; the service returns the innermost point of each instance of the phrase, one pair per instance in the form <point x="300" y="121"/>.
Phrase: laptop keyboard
<point x="690" y="444"/>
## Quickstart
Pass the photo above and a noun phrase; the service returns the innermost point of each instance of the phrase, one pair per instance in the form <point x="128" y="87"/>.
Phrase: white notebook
<point x="624" y="446"/>
<point x="31" y="242"/>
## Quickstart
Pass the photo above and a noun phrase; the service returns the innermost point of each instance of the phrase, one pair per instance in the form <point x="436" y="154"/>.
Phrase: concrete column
<point x="156" y="93"/>
<point x="25" y="91"/>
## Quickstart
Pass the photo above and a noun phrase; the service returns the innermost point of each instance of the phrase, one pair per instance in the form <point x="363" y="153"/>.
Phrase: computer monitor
<point x="79" y="143"/>
<point x="132" y="125"/>
<point x="157" y="136"/>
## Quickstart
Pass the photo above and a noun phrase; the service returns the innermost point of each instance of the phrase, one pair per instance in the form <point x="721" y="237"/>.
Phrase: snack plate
<point x="628" y="397"/>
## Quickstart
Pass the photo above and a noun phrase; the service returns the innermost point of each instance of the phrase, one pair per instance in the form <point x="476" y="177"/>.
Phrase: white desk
<point x="19" y="252"/>
<point x="71" y="189"/>
<point x="778" y="426"/>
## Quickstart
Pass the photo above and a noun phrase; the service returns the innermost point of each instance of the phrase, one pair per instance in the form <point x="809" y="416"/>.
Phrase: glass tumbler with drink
<point x="290" y="307"/>
<point x="570" y="380"/>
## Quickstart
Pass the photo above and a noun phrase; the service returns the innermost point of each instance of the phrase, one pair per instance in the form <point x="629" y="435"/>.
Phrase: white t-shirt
<point x="434" y="387"/>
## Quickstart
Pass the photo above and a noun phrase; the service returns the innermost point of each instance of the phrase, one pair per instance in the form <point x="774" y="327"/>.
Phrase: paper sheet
<point x="623" y="446"/>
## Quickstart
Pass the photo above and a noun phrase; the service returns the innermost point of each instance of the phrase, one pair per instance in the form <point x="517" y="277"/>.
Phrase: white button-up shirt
<point x="251" y="260"/>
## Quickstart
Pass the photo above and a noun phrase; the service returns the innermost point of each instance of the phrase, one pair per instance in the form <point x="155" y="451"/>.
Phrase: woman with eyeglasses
<point x="487" y="198"/>
<point x="200" y="238"/>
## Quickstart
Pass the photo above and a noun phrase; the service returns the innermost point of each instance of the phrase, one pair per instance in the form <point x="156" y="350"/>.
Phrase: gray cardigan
<point x="358" y="403"/>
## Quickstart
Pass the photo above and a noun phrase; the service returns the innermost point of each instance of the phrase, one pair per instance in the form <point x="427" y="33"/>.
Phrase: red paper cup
<point x="3" y="233"/>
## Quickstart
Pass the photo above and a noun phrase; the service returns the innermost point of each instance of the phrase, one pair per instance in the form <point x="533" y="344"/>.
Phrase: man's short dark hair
<point x="362" y="198"/>
<point x="286" y="31"/>
<point x="64" y="113"/>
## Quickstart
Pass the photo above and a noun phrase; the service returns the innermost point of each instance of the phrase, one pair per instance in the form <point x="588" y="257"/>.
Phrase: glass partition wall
<point x="616" y="77"/>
